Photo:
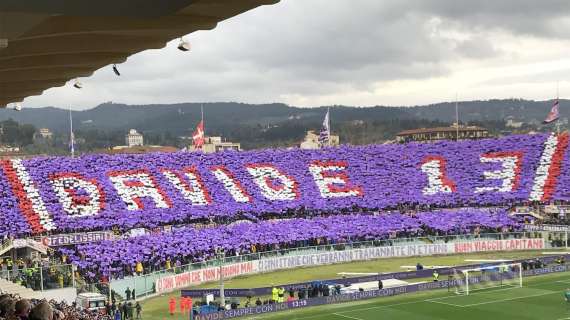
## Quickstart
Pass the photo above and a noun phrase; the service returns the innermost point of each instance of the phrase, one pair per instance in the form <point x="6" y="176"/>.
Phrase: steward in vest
<point x="274" y="294"/>
<point x="281" y="295"/>
<point x="435" y="276"/>
<point x="139" y="268"/>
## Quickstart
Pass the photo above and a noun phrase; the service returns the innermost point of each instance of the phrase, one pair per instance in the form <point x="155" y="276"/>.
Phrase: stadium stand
<point x="191" y="205"/>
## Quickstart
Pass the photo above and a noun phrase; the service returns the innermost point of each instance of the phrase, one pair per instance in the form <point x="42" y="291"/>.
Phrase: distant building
<point x="510" y="122"/>
<point x="216" y="144"/>
<point x="312" y="141"/>
<point x="9" y="152"/>
<point x="9" y="149"/>
<point x="535" y="123"/>
<point x="78" y="140"/>
<point x="443" y="133"/>
<point x="133" y="139"/>
<point x="45" y="133"/>
<point x="140" y="149"/>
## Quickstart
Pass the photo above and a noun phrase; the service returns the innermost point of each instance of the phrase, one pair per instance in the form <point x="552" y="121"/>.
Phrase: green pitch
<point x="157" y="307"/>
<point x="540" y="298"/>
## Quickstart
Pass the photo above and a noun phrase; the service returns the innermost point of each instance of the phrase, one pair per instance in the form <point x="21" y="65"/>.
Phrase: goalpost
<point x="502" y="275"/>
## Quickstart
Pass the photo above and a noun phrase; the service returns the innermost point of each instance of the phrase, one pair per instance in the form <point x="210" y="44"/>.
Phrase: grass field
<point x="157" y="308"/>
<point x="540" y="298"/>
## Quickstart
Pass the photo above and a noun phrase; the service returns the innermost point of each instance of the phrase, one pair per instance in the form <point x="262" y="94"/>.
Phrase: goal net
<point x="505" y="275"/>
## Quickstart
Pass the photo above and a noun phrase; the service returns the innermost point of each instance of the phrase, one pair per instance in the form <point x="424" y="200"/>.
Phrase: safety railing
<point x="40" y="278"/>
<point x="5" y="245"/>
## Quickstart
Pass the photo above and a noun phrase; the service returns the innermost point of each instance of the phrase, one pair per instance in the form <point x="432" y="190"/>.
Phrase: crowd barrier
<point x="416" y="274"/>
<point x="513" y="243"/>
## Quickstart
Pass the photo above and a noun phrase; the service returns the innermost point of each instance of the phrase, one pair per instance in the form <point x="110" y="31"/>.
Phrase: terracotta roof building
<point x="140" y="149"/>
<point x="443" y="133"/>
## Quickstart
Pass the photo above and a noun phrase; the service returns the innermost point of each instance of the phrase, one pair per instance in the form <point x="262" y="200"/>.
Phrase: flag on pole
<point x="198" y="137"/>
<point x="554" y="113"/>
<point x="325" y="134"/>
<point x="71" y="135"/>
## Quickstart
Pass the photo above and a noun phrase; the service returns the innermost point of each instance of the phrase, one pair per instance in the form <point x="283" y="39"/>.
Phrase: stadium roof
<point x="53" y="41"/>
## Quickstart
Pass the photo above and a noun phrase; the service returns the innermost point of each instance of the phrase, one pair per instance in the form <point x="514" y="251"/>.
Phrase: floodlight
<point x="78" y="84"/>
<point x="184" y="45"/>
<point x="3" y="43"/>
<point x="116" y="70"/>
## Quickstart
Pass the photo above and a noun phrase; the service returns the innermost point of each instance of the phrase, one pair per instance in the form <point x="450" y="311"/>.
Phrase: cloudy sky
<point x="353" y="52"/>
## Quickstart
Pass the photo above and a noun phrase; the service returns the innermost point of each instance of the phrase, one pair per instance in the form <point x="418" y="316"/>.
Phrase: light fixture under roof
<point x="184" y="45"/>
<point x="18" y="106"/>
<point x="77" y="84"/>
<point x="116" y="70"/>
<point x="3" y="43"/>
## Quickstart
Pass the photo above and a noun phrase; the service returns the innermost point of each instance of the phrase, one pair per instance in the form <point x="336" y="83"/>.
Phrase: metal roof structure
<point x="50" y="42"/>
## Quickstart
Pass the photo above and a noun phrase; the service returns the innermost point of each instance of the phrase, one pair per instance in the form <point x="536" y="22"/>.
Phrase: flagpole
<point x="456" y="118"/>
<point x="330" y="130"/>
<point x="71" y="142"/>
<point x="203" y="124"/>
<point x="558" y="101"/>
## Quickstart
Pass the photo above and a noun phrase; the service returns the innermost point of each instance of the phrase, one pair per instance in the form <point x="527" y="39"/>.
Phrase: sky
<point x="310" y="53"/>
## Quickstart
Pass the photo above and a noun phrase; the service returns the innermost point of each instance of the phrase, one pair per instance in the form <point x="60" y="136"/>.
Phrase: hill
<point x="178" y="118"/>
<point x="272" y="124"/>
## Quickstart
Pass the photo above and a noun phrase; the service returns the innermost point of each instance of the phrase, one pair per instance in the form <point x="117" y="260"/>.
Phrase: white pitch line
<point x="348" y="317"/>
<point x="564" y="281"/>
<point x="509" y="299"/>
<point x="472" y="294"/>
<point x="400" y="304"/>
<point x="383" y="306"/>
<point x="445" y="303"/>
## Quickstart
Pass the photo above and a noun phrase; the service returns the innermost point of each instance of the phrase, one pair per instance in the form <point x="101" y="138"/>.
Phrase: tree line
<point x="282" y="134"/>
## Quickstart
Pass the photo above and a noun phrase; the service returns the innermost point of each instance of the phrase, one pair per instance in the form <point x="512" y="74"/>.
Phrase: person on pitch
<point x="567" y="295"/>
<point x="435" y="276"/>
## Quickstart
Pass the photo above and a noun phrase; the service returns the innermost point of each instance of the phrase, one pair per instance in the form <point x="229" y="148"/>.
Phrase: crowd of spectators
<point x="12" y="307"/>
<point x="187" y="244"/>
<point x="144" y="254"/>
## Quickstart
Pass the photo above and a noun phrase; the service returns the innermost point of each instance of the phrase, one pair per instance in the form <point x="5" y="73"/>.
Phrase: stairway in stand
<point x="12" y="288"/>
<point x="5" y="246"/>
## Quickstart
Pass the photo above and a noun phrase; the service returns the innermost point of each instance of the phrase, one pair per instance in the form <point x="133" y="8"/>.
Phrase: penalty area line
<point x="382" y="306"/>
<point x="345" y="316"/>
<point x="445" y="303"/>
<point x="509" y="299"/>
<point x="564" y="281"/>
